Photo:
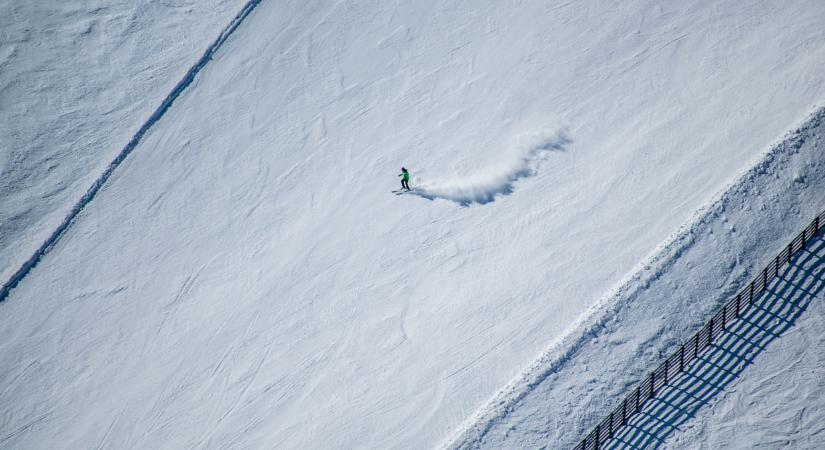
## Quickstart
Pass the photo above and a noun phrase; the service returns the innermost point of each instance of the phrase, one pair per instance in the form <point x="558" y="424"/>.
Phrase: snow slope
<point x="77" y="79"/>
<point x="246" y="278"/>
<point x="777" y="403"/>
<point x="578" y="382"/>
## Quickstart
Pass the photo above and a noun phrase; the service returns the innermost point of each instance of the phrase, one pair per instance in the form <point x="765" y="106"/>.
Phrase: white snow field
<point x="77" y="79"/>
<point x="779" y="402"/>
<point x="247" y="279"/>
<point x="576" y="384"/>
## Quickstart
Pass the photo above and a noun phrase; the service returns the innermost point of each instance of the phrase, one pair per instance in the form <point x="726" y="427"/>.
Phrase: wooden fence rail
<point x="690" y="350"/>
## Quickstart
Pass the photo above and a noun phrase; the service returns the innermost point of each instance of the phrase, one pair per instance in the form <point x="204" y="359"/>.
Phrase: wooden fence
<point x="689" y="351"/>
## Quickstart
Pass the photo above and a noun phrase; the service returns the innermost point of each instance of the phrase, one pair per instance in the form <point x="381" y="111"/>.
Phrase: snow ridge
<point x="130" y="146"/>
<point x="485" y="186"/>
<point x="561" y="352"/>
<point x="734" y="349"/>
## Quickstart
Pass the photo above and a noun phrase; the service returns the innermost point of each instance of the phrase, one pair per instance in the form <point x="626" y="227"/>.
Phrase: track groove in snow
<point x="90" y="194"/>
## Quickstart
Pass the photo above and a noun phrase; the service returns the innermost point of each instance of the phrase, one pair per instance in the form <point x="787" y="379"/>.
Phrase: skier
<point x="405" y="179"/>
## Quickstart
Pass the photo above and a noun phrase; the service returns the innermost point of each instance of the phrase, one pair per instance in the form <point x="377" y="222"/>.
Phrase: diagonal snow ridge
<point x="736" y="349"/>
<point x="491" y="182"/>
<point x="479" y="428"/>
<point x="90" y="194"/>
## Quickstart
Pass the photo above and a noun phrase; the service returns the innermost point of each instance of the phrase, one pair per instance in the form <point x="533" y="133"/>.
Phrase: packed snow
<point x="246" y="277"/>
<point x="77" y="79"/>
<point x="579" y="381"/>
<point x="777" y="403"/>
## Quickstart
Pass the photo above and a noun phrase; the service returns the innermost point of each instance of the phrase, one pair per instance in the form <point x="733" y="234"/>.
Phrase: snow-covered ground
<point x="247" y="279"/>
<point x="761" y="385"/>
<point x="779" y="401"/>
<point x="77" y="79"/>
<point x="575" y="384"/>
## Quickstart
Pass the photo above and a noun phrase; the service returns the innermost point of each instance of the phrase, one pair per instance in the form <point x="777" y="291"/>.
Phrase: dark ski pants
<point x="405" y="184"/>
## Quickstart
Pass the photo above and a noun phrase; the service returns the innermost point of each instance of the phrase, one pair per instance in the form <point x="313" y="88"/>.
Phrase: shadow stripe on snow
<point x="90" y="194"/>
<point x="563" y="352"/>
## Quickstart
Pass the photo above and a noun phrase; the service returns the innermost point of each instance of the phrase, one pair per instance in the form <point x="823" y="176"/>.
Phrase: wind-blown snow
<point x="484" y="185"/>
<point x="246" y="278"/>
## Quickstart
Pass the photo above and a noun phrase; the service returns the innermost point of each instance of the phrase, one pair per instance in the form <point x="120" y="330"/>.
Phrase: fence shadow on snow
<point x="720" y="351"/>
<point x="784" y="300"/>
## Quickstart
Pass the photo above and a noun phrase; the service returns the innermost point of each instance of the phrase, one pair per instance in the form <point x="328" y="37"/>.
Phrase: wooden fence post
<point x="624" y="411"/>
<point x="738" y="296"/>
<point x="710" y="331"/>
<point x="696" y="346"/>
<point x="724" y="317"/>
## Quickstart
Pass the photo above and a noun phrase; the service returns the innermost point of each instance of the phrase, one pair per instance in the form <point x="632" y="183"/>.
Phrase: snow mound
<point x="497" y="180"/>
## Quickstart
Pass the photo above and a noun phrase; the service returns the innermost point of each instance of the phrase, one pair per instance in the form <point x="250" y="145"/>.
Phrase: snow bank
<point x="90" y="194"/>
<point x="780" y="399"/>
<point x="745" y="353"/>
<point x="484" y="186"/>
<point x="77" y="80"/>
<point x="581" y="378"/>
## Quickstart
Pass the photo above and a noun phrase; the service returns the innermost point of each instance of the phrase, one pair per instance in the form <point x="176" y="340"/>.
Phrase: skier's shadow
<point x="771" y="315"/>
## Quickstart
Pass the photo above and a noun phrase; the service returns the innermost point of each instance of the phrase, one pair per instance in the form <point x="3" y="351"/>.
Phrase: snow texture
<point x="781" y="421"/>
<point x="483" y="187"/>
<point x="17" y="276"/>
<point x="562" y="396"/>
<point x="245" y="278"/>
<point x="77" y="80"/>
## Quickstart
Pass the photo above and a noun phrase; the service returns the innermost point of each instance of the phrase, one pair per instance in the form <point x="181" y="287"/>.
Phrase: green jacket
<point x="406" y="175"/>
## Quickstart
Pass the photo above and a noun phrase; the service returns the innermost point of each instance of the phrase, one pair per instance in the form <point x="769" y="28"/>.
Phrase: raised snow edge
<point x="472" y="431"/>
<point x="90" y="194"/>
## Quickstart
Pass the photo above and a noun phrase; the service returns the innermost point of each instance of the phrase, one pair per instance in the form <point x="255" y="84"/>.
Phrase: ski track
<point x="90" y="194"/>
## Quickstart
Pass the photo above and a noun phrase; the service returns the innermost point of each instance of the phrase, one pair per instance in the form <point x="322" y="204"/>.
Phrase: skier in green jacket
<point x="405" y="179"/>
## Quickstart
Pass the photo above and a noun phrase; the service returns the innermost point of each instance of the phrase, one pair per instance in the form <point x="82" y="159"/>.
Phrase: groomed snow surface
<point x="575" y="384"/>
<point x="776" y="404"/>
<point x="76" y="80"/>
<point x="592" y="181"/>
